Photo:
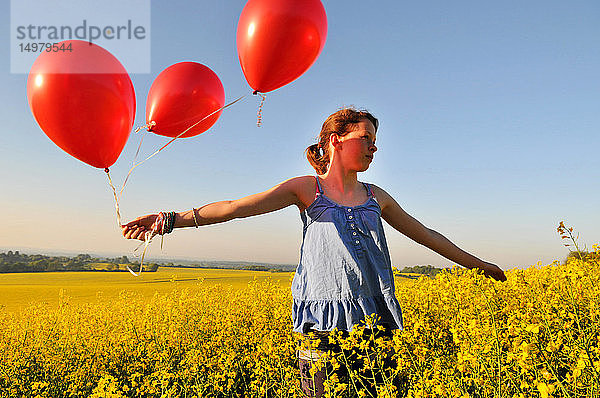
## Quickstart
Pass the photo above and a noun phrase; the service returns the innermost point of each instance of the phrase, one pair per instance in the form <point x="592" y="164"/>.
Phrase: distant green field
<point x="20" y="289"/>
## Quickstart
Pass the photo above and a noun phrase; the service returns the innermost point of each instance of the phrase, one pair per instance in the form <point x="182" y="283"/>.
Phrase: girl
<point x="344" y="271"/>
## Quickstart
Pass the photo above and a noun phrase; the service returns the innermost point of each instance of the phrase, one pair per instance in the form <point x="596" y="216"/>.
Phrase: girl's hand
<point x="493" y="271"/>
<point x="137" y="228"/>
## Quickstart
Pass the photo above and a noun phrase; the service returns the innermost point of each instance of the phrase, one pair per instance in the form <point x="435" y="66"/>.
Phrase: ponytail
<point x="317" y="159"/>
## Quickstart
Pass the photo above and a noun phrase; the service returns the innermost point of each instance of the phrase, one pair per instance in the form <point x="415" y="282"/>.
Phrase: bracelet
<point x="173" y="217"/>
<point x="170" y="222"/>
<point x="166" y="222"/>
<point x="194" y="215"/>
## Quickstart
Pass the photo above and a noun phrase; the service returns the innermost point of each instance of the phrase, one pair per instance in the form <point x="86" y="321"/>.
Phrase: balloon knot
<point x="255" y="92"/>
<point x="106" y="170"/>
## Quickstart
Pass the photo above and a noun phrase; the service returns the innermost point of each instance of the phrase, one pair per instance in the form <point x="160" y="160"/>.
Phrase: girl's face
<point x="358" y="146"/>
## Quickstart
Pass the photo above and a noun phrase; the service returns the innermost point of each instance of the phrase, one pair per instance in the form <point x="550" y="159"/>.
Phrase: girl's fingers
<point x="497" y="274"/>
<point x="140" y="233"/>
<point x="137" y="228"/>
<point x="142" y="236"/>
<point x="133" y="233"/>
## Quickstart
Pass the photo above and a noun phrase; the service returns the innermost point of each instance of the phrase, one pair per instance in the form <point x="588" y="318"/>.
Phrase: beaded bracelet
<point x="194" y="215"/>
<point x="167" y="227"/>
<point x="166" y="222"/>
<point x="170" y="222"/>
<point x="173" y="217"/>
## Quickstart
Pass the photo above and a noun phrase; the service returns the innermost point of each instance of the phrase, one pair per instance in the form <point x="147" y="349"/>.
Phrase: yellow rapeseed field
<point x="18" y="290"/>
<point x="536" y="335"/>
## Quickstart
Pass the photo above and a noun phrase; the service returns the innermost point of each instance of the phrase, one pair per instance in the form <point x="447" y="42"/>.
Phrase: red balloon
<point x="278" y="40"/>
<point x="182" y="95"/>
<point x="84" y="101"/>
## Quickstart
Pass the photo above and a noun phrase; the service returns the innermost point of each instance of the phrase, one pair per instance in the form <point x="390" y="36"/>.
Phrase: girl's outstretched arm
<point x="394" y="215"/>
<point x="278" y="197"/>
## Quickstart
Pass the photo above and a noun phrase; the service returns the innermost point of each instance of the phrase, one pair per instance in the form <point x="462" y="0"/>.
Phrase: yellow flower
<point x="533" y="328"/>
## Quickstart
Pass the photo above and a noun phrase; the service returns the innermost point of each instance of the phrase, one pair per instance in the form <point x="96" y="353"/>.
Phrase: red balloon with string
<point x="183" y="95"/>
<point x="278" y="40"/>
<point x="83" y="99"/>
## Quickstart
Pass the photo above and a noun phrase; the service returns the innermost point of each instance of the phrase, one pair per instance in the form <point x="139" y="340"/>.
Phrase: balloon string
<point x="147" y="239"/>
<point x="119" y="221"/>
<point x="147" y="127"/>
<point x="116" y="198"/>
<point x="198" y="122"/>
<point x="137" y="130"/>
<point x="150" y="234"/>
<point x="182" y="133"/>
<point x="259" y="113"/>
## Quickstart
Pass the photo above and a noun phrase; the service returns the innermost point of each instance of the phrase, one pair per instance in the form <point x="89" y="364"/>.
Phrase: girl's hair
<point x="337" y="123"/>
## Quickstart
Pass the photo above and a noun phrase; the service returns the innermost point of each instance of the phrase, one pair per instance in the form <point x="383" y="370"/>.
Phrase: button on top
<point x="349" y="209"/>
<point x="357" y="242"/>
<point x="353" y="233"/>
<point x="350" y="217"/>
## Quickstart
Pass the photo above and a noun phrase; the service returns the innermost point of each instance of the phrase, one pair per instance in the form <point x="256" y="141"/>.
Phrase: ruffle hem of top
<point x="327" y="314"/>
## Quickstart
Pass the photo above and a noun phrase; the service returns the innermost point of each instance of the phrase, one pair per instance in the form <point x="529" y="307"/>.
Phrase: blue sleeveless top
<point x="345" y="269"/>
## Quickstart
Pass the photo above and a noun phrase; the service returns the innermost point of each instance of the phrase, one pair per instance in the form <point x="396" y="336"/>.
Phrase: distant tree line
<point x="421" y="269"/>
<point x="17" y="262"/>
<point x="261" y="268"/>
<point x="240" y="265"/>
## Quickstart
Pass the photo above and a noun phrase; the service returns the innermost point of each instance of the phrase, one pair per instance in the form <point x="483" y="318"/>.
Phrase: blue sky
<point x="489" y="134"/>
